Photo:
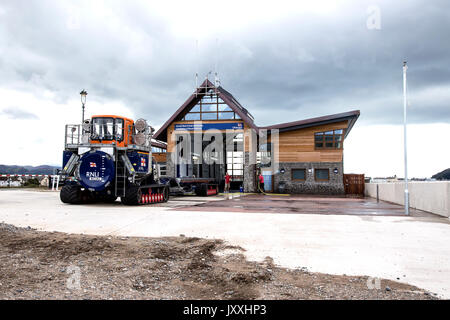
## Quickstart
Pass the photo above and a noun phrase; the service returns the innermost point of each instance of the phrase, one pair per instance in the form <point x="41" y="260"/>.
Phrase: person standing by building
<point x="261" y="183"/>
<point x="227" y="182"/>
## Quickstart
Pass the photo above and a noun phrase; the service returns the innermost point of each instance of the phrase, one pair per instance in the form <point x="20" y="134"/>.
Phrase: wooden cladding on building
<point x="298" y="145"/>
<point x="160" y="157"/>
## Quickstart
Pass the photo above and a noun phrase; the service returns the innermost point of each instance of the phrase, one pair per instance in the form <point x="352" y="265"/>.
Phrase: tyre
<point x="132" y="195"/>
<point x="109" y="199"/>
<point x="166" y="192"/>
<point x="201" y="190"/>
<point x="71" y="194"/>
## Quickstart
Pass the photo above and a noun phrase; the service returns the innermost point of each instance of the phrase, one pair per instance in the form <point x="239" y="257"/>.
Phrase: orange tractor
<point x="108" y="157"/>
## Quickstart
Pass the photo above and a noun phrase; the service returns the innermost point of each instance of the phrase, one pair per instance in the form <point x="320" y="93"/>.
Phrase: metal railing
<point x="76" y="135"/>
<point x="72" y="134"/>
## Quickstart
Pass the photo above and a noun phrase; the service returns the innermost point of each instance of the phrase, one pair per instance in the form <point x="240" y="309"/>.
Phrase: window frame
<point x="333" y="141"/>
<point x="117" y="122"/>
<point x="200" y="110"/>
<point x="321" y="180"/>
<point x="94" y="135"/>
<point x="235" y="158"/>
<point x="292" y="174"/>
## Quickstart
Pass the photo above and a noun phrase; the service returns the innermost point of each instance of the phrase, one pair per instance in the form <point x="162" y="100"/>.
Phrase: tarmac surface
<point x="377" y="242"/>
<point x="306" y="204"/>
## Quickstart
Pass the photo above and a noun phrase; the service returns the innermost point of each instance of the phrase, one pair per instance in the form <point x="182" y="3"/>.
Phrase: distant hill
<point x="443" y="175"/>
<point x="5" y="169"/>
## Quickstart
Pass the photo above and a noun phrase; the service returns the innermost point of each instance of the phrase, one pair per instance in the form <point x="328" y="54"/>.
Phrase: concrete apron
<point x="413" y="249"/>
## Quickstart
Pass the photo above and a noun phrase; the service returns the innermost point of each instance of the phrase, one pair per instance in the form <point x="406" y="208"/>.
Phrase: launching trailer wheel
<point x="200" y="190"/>
<point x="71" y="194"/>
<point x="133" y="195"/>
<point x="109" y="198"/>
<point x="166" y="192"/>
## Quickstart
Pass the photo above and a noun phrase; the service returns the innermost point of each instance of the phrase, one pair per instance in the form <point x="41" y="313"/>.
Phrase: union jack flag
<point x="93" y="165"/>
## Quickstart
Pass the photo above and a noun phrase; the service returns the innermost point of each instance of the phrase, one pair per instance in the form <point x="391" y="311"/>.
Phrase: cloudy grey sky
<point x="282" y="60"/>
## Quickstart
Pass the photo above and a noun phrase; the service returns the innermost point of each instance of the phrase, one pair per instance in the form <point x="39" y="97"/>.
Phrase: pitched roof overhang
<point x="159" y="144"/>
<point x="350" y="116"/>
<point x="227" y="97"/>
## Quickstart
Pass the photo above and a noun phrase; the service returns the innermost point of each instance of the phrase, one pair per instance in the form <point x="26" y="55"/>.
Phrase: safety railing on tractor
<point x="76" y="135"/>
<point x="72" y="135"/>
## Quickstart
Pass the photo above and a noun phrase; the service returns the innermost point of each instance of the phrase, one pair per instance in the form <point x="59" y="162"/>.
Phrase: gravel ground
<point x="43" y="265"/>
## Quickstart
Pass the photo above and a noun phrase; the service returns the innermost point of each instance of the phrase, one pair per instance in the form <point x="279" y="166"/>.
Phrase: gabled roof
<point x="201" y="91"/>
<point x="350" y="116"/>
<point x="228" y="98"/>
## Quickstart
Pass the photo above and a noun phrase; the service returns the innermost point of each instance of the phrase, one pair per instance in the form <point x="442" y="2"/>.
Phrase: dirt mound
<point x="42" y="265"/>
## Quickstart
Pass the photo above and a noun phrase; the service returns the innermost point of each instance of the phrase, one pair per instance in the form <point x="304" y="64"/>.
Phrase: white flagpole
<point x="405" y="67"/>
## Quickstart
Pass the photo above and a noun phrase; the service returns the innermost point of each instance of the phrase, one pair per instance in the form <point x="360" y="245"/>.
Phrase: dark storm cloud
<point x="303" y="66"/>
<point x="337" y="65"/>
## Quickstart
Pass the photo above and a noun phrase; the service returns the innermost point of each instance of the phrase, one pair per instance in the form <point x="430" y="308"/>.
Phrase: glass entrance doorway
<point x="206" y="160"/>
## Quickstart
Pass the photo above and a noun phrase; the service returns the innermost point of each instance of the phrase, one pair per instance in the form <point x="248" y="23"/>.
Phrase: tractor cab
<point x="109" y="129"/>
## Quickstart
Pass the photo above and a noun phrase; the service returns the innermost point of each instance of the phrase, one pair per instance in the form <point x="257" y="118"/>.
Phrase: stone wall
<point x="309" y="186"/>
<point x="334" y="185"/>
<point x="249" y="172"/>
<point x="170" y="166"/>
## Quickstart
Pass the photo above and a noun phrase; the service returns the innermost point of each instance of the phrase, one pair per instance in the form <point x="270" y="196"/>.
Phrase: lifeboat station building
<point x="212" y="134"/>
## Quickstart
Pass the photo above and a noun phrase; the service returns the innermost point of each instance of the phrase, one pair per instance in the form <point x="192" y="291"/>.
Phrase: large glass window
<point x="209" y="116"/>
<point x="196" y="108"/>
<point x="226" y="115"/>
<point x="235" y="158"/>
<point x="192" y="116"/>
<point x="211" y="107"/>
<point x="264" y="155"/>
<point x="224" y="107"/>
<point x="329" y="139"/>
